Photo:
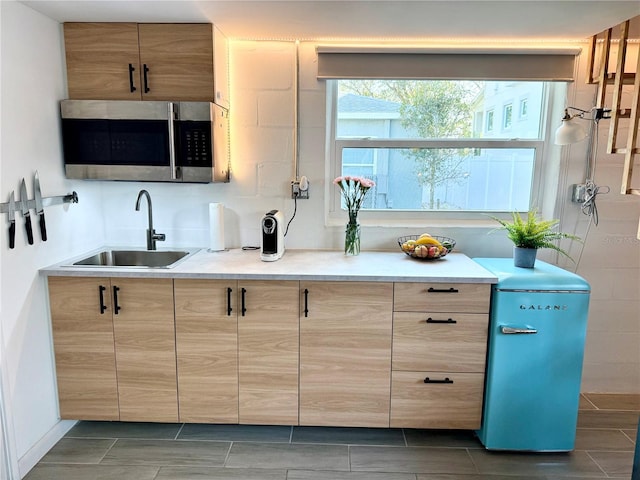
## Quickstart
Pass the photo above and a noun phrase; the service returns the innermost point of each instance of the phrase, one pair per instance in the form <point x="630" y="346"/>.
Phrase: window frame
<point x="390" y="217"/>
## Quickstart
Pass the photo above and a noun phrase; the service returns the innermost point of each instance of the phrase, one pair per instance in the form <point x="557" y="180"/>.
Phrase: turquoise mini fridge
<point x="537" y="330"/>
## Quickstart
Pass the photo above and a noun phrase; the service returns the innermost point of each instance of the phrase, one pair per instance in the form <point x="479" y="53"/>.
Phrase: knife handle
<point x="12" y="235"/>
<point x="27" y="224"/>
<point x="43" y="228"/>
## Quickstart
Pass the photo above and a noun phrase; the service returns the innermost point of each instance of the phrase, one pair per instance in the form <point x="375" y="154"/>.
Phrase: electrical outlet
<point x="296" y="192"/>
<point x="578" y="193"/>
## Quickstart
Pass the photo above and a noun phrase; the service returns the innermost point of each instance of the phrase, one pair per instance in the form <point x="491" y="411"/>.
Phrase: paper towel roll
<point x="216" y="227"/>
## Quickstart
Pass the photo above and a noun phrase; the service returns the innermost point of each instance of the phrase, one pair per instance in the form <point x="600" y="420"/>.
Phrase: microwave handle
<point x="172" y="140"/>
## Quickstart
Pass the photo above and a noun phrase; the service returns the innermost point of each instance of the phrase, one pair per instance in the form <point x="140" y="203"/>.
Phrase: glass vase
<point x="352" y="239"/>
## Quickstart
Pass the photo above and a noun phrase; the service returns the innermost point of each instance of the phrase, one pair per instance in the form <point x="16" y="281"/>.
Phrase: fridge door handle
<point x="512" y="330"/>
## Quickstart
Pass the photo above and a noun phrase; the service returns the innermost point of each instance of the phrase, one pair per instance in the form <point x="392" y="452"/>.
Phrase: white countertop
<point x="298" y="265"/>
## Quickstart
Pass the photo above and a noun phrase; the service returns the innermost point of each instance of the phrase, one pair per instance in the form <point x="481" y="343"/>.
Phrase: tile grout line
<point x="589" y="400"/>
<point x="597" y="464"/>
<point x="472" y="461"/>
<point x="107" y="452"/>
<point x="179" y="432"/>
<point x="226" y="457"/>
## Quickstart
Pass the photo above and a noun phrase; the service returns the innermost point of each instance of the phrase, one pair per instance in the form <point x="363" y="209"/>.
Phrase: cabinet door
<point x="268" y="329"/>
<point x="145" y="349"/>
<point x="207" y="350"/>
<point x="345" y="353"/>
<point x="83" y="344"/>
<point x="99" y="58"/>
<point x="179" y="59"/>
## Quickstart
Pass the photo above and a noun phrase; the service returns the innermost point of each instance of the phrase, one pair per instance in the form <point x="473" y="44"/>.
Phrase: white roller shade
<point x="407" y="64"/>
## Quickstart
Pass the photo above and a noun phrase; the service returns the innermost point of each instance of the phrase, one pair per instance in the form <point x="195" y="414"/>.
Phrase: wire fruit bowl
<point x="426" y="249"/>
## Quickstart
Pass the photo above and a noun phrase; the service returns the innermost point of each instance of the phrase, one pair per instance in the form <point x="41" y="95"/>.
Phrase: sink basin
<point x="135" y="258"/>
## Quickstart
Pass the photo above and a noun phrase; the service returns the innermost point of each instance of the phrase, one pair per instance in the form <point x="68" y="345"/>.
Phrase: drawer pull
<point x="442" y="290"/>
<point x="445" y="380"/>
<point x="435" y="320"/>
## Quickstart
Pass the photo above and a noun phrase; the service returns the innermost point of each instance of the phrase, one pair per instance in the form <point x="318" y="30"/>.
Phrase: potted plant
<point x="530" y="234"/>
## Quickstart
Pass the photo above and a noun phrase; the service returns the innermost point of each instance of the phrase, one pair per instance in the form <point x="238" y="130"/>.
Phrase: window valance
<point x="446" y="64"/>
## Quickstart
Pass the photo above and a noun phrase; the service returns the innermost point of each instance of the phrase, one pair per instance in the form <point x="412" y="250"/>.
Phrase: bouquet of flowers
<point x="354" y="189"/>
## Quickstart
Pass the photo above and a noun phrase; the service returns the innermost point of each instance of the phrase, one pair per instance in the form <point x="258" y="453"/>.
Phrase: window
<point x="490" y="116"/>
<point x="524" y="104"/>
<point x="421" y="141"/>
<point x="507" y="116"/>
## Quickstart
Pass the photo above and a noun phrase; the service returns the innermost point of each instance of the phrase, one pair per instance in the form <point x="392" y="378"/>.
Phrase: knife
<point x="24" y="206"/>
<point x="12" y="220"/>
<point x="39" y="207"/>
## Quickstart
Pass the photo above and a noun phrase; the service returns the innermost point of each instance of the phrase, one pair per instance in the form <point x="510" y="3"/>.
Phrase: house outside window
<point x="490" y="117"/>
<point x="422" y="146"/>
<point x="507" y="116"/>
<point x="524" y="107"/>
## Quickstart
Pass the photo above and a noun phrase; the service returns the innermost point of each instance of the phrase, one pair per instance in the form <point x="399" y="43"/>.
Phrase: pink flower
<point x="354" y="189"/>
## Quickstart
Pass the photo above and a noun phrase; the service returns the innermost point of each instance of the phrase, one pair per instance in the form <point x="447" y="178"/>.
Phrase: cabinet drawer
<point x="454" y="405"/>
<point x="441" y="297"/>
<point x="421" y="341"/>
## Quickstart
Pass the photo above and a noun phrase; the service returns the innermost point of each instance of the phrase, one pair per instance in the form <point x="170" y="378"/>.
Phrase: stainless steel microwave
<point x="145" y="141"/>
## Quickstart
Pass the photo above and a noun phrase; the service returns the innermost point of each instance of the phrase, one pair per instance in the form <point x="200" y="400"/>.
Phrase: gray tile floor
<point x="144" y="451"/>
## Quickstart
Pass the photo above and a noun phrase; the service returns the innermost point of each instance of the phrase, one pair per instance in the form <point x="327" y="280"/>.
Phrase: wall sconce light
<point x="571" y="131"/>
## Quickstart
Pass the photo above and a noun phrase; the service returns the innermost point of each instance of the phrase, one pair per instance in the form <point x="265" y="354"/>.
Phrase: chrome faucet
<point x="152" y="236"/>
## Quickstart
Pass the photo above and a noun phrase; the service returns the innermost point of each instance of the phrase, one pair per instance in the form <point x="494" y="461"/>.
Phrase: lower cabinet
<point x="439" y="351"/>
<point x="84" y="348"/>
<point x="114" y="345"/>
<point x="144" y="334"/>
<point x="270" y="352"/>
<point x="268" y="331"/>
<point x="207" y="350"/>
<point x="345" y="353"/>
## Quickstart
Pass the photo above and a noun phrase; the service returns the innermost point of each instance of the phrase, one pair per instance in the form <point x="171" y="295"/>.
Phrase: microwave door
<point x="116" y="140"/>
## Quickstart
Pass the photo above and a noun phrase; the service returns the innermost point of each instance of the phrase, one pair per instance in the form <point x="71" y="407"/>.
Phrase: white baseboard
<point x="40" y="449"/>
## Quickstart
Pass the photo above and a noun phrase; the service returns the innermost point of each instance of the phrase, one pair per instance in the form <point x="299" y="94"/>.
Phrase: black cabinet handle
<point x="442" y="290"/>
<point x="445" y="380"/>
<point x="436" y="320"/>
<point x="243" y="310"/>
<point x="103" y="307"/>
<point x="229" y="309"/>
<point x="145" y="71"/>
<point x="116" y="307"/>
<point x="306" y="302"/>
<point x="132" y="87"/>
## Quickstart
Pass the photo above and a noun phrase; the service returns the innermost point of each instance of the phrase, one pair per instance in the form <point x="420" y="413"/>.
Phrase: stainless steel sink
<point x="135" y="258"/>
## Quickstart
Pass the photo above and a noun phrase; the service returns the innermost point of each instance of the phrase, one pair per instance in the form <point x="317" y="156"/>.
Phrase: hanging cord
<point x="589" y="206"/>
<point x="295" y="208"/>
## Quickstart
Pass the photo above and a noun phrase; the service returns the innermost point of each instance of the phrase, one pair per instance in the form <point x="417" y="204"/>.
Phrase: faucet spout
<point x="152" y="236"/>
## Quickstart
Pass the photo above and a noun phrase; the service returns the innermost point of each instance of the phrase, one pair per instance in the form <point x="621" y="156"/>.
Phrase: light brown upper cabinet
<point x="345" y="353"/>
<point x="146" y="61"/>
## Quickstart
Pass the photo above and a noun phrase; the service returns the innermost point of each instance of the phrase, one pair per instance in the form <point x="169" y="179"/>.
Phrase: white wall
<point x="262" y="115"/>
<point x="32" y="84"/>
<point x="610" y="259"/>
